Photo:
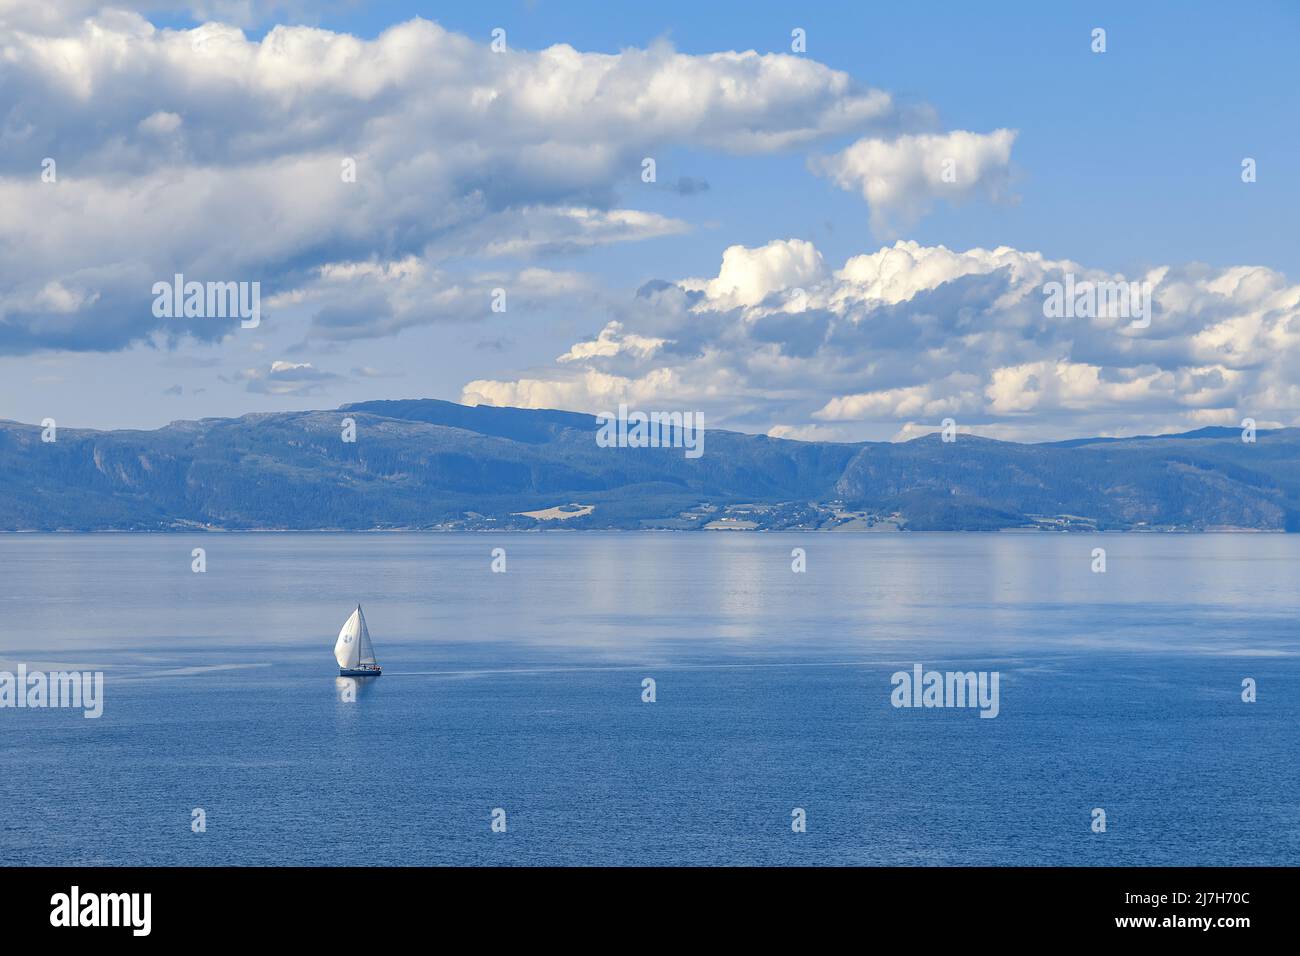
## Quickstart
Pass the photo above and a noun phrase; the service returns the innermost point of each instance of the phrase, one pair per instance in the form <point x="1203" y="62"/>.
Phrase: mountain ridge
<point x="432" y="464"/>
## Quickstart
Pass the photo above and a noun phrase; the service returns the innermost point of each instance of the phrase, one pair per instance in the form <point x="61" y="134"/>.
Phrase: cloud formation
<point x="902" y="178"/>
<point x="228" y="159"/>
<point x="896" y="340"/>
<point x="287" y="378"/>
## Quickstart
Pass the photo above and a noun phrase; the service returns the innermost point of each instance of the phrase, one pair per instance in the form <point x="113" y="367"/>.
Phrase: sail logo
<point x="179" y="299"/>
<point x="36" y="690"/>
<point x="74" y="908"/>
<point x="654" y="430"/>
<point x="922" y="688"/>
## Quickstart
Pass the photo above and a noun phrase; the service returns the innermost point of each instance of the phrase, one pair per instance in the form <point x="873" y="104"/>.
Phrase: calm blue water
<point x="523" y="691"/>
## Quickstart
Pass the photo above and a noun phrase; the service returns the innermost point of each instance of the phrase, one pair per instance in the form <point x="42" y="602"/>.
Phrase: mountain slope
<point x="425" y="464"/>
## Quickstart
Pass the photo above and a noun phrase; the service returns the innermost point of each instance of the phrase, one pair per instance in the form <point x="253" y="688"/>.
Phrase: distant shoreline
<point x="433" y="466"/>
<point x="724" y="532"/>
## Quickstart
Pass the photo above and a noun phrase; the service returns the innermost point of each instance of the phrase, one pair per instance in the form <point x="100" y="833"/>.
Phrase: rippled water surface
<point x="523" y="691"/>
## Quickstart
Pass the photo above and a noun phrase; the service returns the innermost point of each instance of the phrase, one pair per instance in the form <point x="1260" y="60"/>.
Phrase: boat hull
<point x="360" y="671"/>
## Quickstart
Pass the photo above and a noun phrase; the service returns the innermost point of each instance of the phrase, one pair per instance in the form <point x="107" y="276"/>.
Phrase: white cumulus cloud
<point x="902" y="178"/>
<point x="227" y="158"/>
<point x="899" y="338"/>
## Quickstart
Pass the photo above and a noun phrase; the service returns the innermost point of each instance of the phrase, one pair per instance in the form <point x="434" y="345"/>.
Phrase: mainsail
<point x="367" y="653"/>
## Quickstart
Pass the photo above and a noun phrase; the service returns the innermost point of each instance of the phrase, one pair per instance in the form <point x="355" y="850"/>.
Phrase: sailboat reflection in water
<point x="352" y="689"/>
<point x="353" y="650"/>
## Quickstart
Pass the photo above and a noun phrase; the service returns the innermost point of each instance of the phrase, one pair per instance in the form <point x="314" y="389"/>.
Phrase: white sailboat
<point x="353" y="650"/>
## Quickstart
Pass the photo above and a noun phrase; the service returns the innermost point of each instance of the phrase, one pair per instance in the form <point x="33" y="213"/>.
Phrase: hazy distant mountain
<point x="433" y="464"/>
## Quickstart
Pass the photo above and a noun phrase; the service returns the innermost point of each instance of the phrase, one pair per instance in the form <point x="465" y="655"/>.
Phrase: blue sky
<point x="1127" y="159"/>
<point x="1125" y="163"/>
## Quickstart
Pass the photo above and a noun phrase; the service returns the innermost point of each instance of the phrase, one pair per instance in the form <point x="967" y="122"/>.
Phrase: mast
<point x="365" y="648"/>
